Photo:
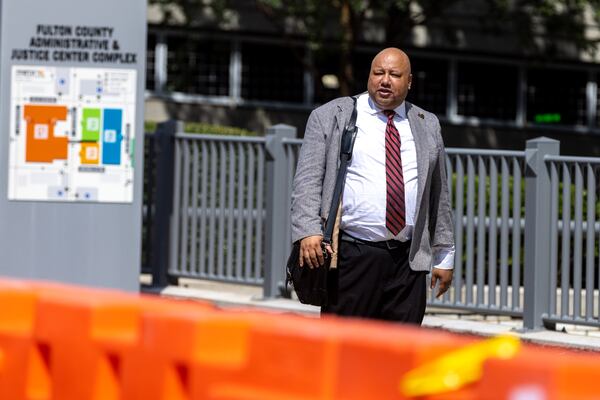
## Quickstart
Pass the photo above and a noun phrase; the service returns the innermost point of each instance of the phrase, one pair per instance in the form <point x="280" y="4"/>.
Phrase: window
<point x="327" y="63"/>
<point x="273" y="73"/>
<point x="598" y="101"/>
<point x="487" y="90"/>
<point x="198" y="66"/>
<point x="556" y="97"/>
<point x="362" y="69"/>
<point x="429" y="84"/>
<point x="150" y="56"/>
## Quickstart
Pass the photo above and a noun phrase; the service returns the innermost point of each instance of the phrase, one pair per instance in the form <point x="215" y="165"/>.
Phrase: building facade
<point x="487" y="90"/>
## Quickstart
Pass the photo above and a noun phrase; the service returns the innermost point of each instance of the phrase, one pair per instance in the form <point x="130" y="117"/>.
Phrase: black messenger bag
<point x="310" y="284"/>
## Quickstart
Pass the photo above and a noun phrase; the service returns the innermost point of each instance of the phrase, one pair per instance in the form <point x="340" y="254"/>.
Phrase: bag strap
<point x="346" y="147"/>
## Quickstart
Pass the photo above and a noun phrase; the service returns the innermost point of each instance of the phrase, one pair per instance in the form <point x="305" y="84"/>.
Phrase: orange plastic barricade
<point x="260" y="356"/>
<point x="542" y="373"/>
<point x="458" y="368"/>
<point x="60" y="342"/>
<point x="17" y="315"/>
<point x="172" y="340"/>
<point x="373" y="356"/>
<point x="80" y="336"/>
<point x="66" y="342"/>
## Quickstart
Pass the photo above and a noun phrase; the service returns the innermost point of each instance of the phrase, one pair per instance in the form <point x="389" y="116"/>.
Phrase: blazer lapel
<point x="416" y="121"/>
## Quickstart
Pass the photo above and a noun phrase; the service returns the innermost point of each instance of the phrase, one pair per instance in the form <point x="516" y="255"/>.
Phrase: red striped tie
<point x="395" y="214"/>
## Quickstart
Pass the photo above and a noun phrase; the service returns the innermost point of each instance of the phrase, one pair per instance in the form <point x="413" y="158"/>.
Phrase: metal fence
<point x="574" y="258"/>
<point x="486" y="193"/>
<point x="217" y="229"/>
<point x="221" y="211"/>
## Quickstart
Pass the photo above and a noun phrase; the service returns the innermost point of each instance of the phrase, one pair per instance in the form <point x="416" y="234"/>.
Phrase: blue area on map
<point x="112" y="136"/>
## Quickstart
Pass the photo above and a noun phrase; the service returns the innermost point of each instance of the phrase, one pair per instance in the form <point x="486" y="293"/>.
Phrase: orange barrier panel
<point x="542" y="373"/>
<point x="174" y="342"/>
<point x="68" y="327"/>
<point x="457" y="369"/>
<point x="65" y="342"/>
<point x="259" y="356"/>
<point x="372" y="357"/>
<point x="17" y="315"/>
<point x="60" y="342"/>
<point x="105" y="330"/>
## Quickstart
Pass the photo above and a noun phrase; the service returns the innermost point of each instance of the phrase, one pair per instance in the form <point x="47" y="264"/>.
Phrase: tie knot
<point x="389" y="114"/>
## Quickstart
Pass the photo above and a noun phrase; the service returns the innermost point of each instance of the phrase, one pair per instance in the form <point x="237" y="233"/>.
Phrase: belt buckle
<point x="391" y="244"/>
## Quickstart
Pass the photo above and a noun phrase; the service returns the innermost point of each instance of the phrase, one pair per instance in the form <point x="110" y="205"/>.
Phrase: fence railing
<point x="574" y="259"/>
<point x="217" y="228"/>
<point x="527" y="222"/>
<point x="485" y="189"/>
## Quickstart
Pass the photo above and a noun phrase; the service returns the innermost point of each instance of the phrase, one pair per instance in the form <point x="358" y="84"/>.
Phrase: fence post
<point x="164" y="143"/>
<point x="277" y="206"/>
<point x="537" y="231"/>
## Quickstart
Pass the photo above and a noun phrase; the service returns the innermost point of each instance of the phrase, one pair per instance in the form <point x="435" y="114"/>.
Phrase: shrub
<point x="201" y="127"/>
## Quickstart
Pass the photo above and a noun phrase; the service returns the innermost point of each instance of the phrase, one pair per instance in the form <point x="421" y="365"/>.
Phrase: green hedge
<point x="487" y="183"/>
<point x="200" y="127"/>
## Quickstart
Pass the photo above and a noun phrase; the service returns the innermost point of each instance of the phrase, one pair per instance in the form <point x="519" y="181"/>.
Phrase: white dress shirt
<point x="364" y="197"/>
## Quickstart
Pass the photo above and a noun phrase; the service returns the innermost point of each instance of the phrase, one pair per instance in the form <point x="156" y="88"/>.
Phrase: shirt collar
<point x="367" y="105"/>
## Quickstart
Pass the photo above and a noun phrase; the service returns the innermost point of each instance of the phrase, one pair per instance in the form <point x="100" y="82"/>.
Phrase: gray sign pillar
<point x="71" y="140"/>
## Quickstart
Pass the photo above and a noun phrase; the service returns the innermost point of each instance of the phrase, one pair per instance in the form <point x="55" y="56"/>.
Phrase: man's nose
<point x="385" y="79"/>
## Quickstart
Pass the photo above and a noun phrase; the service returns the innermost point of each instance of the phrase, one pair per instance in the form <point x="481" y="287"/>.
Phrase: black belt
<point x="384" y="244"/>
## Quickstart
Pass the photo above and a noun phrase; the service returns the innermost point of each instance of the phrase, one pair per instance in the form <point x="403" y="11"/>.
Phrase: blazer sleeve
<point x="308" y="181"/>
<point x="441" y="221"/>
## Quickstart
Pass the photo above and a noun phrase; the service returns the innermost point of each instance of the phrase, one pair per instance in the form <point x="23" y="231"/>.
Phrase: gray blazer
<point x="317" y="167"/>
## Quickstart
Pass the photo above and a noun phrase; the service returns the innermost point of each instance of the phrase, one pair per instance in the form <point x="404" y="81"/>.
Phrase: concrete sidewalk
<point x="234" y="295"/>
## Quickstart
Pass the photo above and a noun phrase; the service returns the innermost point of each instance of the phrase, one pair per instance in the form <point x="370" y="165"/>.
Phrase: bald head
<point x="395" y="53"/>
<point x="390" y="78"/>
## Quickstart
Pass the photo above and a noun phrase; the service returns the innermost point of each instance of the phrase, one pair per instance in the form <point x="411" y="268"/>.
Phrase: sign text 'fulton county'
<point x="67" y="43"/>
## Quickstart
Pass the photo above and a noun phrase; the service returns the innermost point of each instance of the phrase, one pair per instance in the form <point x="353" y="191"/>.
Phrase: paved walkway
<point x="232" y="295"/>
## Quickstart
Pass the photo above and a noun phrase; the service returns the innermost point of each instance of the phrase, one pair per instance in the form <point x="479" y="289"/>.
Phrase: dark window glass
<point x="198" y="66"/>
<point x="430" y="79"/>
<point x="487" y="90"/>
<point x="271" y="72"/>
<point x="429" y="84"/>
<point x="556" y="97"/>
<point x="150" y="55"/>
<point x="598" y="103"/>
<point x="362" y="69"/>
<point x="326" y="63"/>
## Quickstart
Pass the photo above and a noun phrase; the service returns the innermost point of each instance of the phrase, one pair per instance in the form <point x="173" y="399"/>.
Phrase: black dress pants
<point x="377" y="283"/>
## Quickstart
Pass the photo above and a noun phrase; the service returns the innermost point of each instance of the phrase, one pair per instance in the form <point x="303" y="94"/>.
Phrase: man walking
<point x="395" y="219"/>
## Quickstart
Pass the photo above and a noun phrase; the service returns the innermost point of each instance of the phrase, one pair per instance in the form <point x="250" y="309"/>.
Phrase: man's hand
<point x="311" y="253"/>
<point x="444" y="276"/>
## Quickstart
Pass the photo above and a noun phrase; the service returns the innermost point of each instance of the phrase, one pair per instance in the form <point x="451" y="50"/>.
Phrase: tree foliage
<point x="193" y="12"/>
<point x="547" y="27"/>
<point x="542" y="28"/>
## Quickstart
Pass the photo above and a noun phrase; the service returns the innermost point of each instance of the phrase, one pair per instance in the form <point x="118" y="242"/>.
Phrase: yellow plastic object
<point x="458" y="368"/>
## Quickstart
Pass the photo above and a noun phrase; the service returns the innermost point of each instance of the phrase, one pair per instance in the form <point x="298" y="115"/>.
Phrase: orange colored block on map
<point x="90" y="153"/>
<point x="41" y="144"/>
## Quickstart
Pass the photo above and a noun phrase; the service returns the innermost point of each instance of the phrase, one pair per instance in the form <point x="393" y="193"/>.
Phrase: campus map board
<point x="72" y="77"/>
<point x="72" y="134"/>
